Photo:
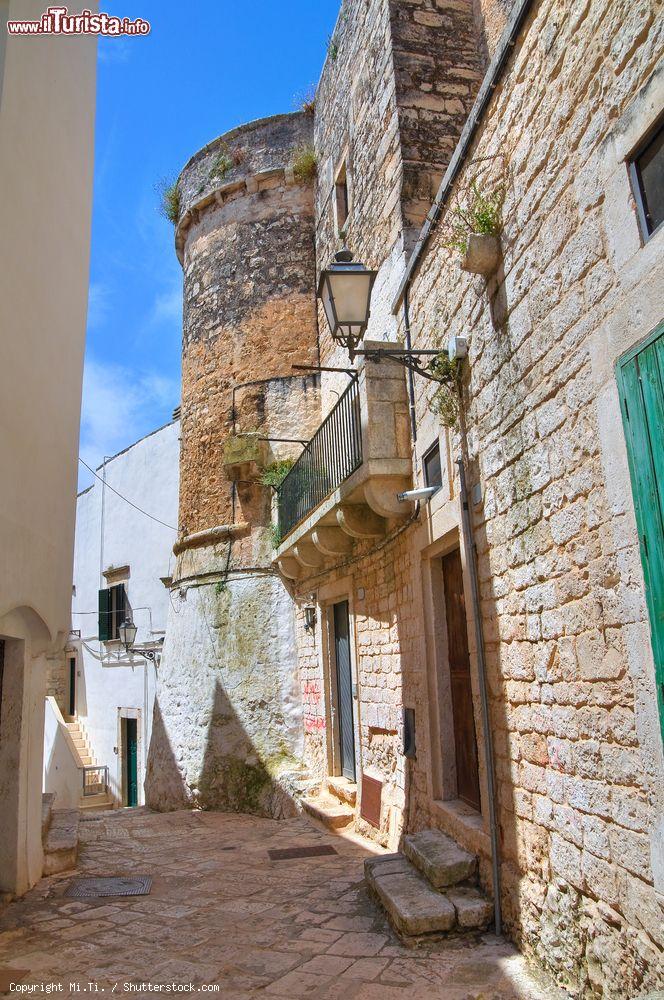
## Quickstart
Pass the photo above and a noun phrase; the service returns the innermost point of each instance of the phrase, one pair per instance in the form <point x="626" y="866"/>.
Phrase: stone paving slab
<point x="221" y="912"/>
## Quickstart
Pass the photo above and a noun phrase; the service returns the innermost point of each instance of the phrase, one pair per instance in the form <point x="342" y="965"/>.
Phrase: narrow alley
<point x="222" y="913"/>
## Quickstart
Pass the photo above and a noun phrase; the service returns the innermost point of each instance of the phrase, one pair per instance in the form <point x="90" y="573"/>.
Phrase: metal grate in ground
<point x="116" y="885"/>
<point x="286" y="853"/>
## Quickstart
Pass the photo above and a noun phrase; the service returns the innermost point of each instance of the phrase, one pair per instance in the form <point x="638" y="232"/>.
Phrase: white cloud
<point x="168" y="304"/>
<point x="99" y="302"/>
<point x="120" y="405"/>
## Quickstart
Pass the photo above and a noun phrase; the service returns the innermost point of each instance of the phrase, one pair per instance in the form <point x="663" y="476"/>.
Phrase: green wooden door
<point x="641" y="384"/>
<point x="131" y="769"/>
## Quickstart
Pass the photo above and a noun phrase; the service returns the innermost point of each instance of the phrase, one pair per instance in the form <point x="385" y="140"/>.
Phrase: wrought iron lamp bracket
<point x="410" y="359"/>
<point x="149" y="654"/>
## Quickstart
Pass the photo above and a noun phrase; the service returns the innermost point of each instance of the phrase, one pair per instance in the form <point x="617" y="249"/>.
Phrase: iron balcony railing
<point x="330" y="457"/>
<point x="95" y="779"/>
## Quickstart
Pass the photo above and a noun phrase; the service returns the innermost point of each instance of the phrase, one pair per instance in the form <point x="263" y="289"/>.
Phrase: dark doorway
<point x="72" y="687"/>
<point x="465" y="742"/>
<point x="131" y="761"/>
<point x="344" y="689"/>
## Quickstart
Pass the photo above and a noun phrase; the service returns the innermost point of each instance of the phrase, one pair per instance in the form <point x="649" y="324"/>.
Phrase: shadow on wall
<point x="232" y="775"/>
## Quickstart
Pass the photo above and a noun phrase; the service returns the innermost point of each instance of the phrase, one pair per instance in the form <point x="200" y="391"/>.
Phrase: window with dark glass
<point x="341" y="197"/>
<point x="433" y="475"/>
<point x="647" y="173"/>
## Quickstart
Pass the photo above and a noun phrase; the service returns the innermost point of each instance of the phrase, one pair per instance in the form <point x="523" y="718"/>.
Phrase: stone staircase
<point x="59" y="836"/>
<point x="430" y="888"/>
<point x="333" y="804"/>
<point x="81" y="742"/>
<point x="99" y="799"/>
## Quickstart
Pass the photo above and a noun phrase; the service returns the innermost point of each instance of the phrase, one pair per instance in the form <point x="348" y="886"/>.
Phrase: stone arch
<point x="24" y="641"/>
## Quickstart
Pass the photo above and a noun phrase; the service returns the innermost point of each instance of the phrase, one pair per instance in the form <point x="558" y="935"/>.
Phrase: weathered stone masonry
<point x="228" y="719"/>
<point x="573" y="705"/>
<point x="245" y="692"/>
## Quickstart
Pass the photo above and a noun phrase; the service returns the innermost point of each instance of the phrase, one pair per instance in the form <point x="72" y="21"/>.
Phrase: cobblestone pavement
<point x="220" y="912"/>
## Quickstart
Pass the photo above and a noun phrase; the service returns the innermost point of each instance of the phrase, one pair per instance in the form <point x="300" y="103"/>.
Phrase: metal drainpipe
<point x="471" y="562"/>
<point x="411" y="379"/>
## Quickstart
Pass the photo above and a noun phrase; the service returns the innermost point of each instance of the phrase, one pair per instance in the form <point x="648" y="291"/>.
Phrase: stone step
<point x="414" y="908"/>
<point x="80" y="743"/>
<point x="328" y="810"/>
<point x="439" y="858"/>
<point x="61" y="847"/>
<point x="48" y="799"/>
<point x="342" y="789"/>
<point x="97" y="802"/>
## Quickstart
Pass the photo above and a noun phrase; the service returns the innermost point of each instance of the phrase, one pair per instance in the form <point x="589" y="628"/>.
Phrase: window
<point x="433" y="475"/>
<point x="647" y="175"/>
<point x="341" y="201"/>
<point x="113" y="609"/>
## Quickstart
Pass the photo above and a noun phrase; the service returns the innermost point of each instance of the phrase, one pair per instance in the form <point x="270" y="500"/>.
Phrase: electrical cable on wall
<point x="131" y="504"/>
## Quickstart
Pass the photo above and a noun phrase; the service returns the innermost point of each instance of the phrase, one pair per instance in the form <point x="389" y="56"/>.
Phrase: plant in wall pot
<point x="445" y="400"/>
<point x="475" y="229"/>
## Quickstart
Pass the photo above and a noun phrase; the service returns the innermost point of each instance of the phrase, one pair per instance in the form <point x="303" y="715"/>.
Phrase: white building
<point x="47" y="107"/>
<point x="123" y="555"/>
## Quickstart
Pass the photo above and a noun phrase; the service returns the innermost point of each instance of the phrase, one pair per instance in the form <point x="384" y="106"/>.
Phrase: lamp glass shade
<point x="345" y="291"/>
<point x="127" y="633"/>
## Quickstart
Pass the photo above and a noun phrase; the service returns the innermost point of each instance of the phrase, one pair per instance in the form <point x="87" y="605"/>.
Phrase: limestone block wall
<point x="227" y="730"/>
<point x="573" y="706"/>
<point x="245" y="240"/>
<point x="391" y="103"/>
<point x="437" y="70"/>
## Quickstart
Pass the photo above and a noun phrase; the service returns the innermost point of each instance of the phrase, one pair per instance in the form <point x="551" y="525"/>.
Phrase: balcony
<point x="343" y="488"/>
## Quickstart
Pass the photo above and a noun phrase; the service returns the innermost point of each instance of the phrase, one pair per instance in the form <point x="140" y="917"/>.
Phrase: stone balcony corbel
<point x="360" y="521"/>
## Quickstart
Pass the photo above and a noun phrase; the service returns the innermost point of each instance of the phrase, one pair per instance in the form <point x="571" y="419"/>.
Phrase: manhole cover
<point x="285" y="853"/>
<point x="88" y="888"/>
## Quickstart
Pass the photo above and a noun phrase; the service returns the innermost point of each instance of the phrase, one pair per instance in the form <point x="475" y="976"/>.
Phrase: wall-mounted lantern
<point x="127" y="633"/>
<point x="309" y="617"/>
<point x="345" y="291"/>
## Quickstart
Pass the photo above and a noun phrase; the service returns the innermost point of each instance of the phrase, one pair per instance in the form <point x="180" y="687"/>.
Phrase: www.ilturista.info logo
<point x="58" y="21"/>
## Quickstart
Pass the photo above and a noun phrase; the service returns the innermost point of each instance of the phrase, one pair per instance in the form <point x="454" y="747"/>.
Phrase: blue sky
<point x="206" y="67"/>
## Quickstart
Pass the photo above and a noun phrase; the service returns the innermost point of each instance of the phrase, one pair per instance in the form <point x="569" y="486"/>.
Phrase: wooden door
<point x="465" y="742"/>
<point x="344" y="689"/>
<point x="641" y="384"/>
<point x="131" y="761"/>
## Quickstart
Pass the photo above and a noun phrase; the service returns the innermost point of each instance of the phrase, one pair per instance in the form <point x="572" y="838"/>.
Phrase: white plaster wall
<point x="46" y="160"/>
<point x="228" y="721"/>
<point x="47" y="106"/>
<point x="147" y="474"/>
<point x="61" y="773"/>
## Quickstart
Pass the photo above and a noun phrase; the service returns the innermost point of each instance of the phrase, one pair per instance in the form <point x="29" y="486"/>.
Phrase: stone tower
<point x="227" y="729"/>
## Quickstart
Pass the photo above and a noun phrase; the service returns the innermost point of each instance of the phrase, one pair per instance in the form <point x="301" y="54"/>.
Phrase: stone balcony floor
<point x="221" y="912"/>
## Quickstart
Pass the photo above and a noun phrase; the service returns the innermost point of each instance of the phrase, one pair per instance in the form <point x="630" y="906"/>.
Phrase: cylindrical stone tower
<point x="227" y="730"/>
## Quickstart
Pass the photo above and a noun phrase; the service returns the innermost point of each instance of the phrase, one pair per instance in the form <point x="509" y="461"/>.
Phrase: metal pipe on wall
<point x="471" y="563"/>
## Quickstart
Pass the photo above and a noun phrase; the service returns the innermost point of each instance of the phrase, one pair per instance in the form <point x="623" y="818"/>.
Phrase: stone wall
<point x="391" y="103"/>
<point x="249" y="310"/>
<point x="571" y="680"/>
<point x="573" y="707"/>
<point x="227" y="728"/>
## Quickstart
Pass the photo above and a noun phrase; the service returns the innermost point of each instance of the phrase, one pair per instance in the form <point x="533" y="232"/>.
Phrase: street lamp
<point x="345" y="291"/>
<point x="127" y="633"/>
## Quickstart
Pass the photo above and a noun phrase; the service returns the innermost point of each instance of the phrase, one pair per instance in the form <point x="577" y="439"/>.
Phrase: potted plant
<point x="476" y="230"/>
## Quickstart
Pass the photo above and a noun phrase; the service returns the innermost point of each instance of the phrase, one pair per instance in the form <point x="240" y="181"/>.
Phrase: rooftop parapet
<point x="243" y="159"/>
